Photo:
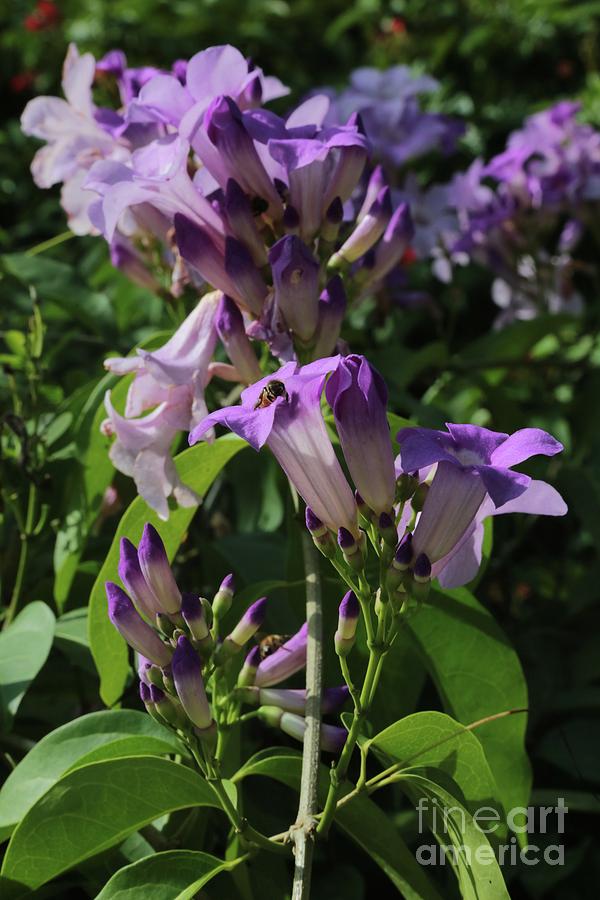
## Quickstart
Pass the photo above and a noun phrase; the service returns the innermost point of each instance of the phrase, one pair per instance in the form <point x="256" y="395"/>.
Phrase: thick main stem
<point x="303" y="833"/>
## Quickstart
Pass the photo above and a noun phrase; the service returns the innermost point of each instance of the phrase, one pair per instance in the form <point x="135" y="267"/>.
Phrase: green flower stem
<point x="26" y="533"/>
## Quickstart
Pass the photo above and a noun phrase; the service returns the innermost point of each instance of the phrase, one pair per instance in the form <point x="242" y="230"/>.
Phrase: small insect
<point x="270" y="393"/>
<point x="272" y="642"/>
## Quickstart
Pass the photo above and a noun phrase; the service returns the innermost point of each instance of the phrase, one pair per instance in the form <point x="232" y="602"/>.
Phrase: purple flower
<point x="294" y="700"/>
<point x="472" y="463"/>
<point x="230" y="328"/>
<point x="187" y="675"/>
<point x="296" y="281"/>
<point x="358" y="397"/>
<point x="462" y="564"/>
<point x="132" y="627"/>
<point x="286" y="661"/>
<point x="156" y="569"/>
<point x="283" y="411"/>
<point x="248" y="625"/>
<point x="333" y="738"/>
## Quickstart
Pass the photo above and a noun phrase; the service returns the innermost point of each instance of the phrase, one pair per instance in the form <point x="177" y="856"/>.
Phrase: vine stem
<point x="21" y="566"/>
<point x="303" y="832"/>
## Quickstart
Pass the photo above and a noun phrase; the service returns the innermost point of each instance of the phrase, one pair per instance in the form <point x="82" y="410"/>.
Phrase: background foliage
<point x="65" y="309"/>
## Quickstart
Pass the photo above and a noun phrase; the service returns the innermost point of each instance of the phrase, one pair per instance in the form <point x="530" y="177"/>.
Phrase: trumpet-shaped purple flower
<point x="473" y="465"/>
<point x="283" y="411"/>
<point x="286" y="661"/>
<point x="358" y="397"/>
<point x="131" y="626"/>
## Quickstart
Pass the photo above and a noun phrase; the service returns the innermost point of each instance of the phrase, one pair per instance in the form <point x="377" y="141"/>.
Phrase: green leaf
<point x="24" y="648"/>
<point x="95" y="807"/>
<point x="198" y="466"/>
<point x="172" y="875"/>
<point x="477" y="870"/>
<point x="433" y="739"/>
<point x="478" y="674"/>
<point x="100" y="735"/>
<point x="361" y="819"/>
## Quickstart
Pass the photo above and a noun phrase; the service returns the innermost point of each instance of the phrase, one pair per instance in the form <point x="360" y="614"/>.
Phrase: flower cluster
<point x="502" y="214"/>
<point x="388" y="103"/>
<point x="428" y="504"/>
<point x="182" y="655"/>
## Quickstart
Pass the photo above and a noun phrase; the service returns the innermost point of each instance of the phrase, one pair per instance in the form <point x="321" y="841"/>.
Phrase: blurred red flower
<point x="45" y="15"/>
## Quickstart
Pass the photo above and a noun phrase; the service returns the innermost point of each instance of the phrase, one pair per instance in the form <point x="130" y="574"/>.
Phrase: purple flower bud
<point x="187" y="675"/>
<point x="346" y="540"/>
<point x="377" y="181"/>
<point x="143" y="667"/>
<point x="422" y="568"/>
<point x="241" y="221"/>
<point x="347" y="172"/>
<point x="291" y="220"/>
<point x="368" y="231"/>
<point x="296" y="281"/>
<point x="332" y="309"/>
<point x="357" y="395"/>
<point x="248" y="282"/>
<point x="225" y="129"/>
<point x="294" y="700"/>
<point x="179" y="70"/>
<point x="251" y="95"/>
<point x="131" y="626"/>
<point x="156" y="569"/>
<point x="348" y="616"/>
<point x="168" y="709"/>
<point x="314" y="524"/>
<point x="131" y="263"/>
<point x="131" y="575"/>
<point x="332" y="737"/>
<point x="404" y="553"/>
<point x="144" y="693"/>
<point x="391" y="247"/>
<point x="249" y="669"/>
<point x="354" y="550"/>
<point x="249" y="623"/>
<point x="194" y="616"/>
<point x="387" y="529"/>
<point x="286" y="661"/>
<point x="198" y="248"/>
<point x="222" y="599"/>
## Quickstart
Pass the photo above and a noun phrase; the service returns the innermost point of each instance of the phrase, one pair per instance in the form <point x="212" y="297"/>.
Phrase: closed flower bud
<point x="248" y="671"/>
<point x="230" y="328"/>
<point x="348" y="616"/>
<point x="353" y="550"/>
<point x="320" y="533"/>
<point x="241" y="221"/>
<point x="419" y="497"/>
<point x="367" y="232"/>
<point x="419" y="587"/>
<point x="187" y="675"/>
<point x="387" y="529"/>
<point x="242" y="271"/>
<point x="156" y="569"/>
<point x="332" y="737"/>
<point x="332" y="309"/>
<point x="406" y="485"/>
<point x="245" y="629"/>
<point x="390" y="249"/>
<point x="168" y="708"/>
<point x="332" y="221"/>
<point x="291" y="220"/>
<point x="132" y="627"/>
<point x="400" y="563"/>
<point x="296" y="282"/>
<point x="131" y="575"/>
<point x="377" y="181"/>
<point x="194" y="616"/>
<point x="222" y="599"/>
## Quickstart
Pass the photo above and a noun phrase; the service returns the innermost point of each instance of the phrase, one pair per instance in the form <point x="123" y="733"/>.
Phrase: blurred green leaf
<point x="172" y="875"/>
<point x="24" y="648"/>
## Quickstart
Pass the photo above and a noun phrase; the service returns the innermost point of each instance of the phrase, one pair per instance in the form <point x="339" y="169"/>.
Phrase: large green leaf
<point x="198" y="466"/>
<point x="93" y="808"/>
<point x="476" y="868"/>
<point x="432" y="740"/>
<point x="24" y="648"/>
<point x="99" y="735"/>
<point x="478" y="674"/>
<point x="361" y="819"/>
<point x="172" y="875"/>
